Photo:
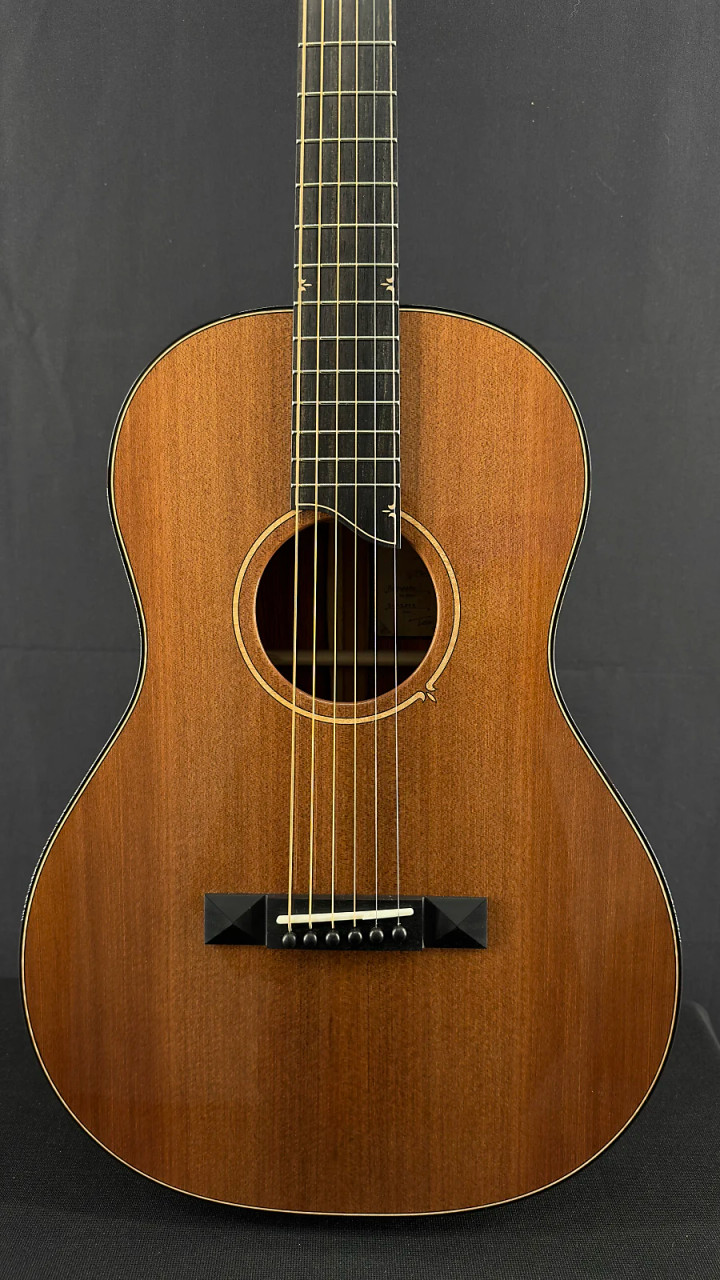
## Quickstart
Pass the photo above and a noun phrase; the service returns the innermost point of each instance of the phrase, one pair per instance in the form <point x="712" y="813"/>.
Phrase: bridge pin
<point x="355" y="938"/>
<point x="332" y="938"/>
<point x="289" y="939"/>
<point x="376" y="936"/>
<point x="399" y="933"/>
<point x="309" y="939"/>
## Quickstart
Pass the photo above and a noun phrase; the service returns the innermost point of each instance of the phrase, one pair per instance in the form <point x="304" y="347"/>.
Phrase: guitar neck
<point x="346" y="447"/>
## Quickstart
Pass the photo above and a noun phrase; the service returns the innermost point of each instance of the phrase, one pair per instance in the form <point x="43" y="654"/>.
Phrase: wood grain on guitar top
<point x="350" y="1083"/>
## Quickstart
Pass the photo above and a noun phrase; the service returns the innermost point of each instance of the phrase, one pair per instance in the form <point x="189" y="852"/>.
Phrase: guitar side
<point x="237" y="1074"/>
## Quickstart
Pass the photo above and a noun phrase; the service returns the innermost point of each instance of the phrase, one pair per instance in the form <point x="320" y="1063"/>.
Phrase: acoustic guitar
<point x="347" y="919"/>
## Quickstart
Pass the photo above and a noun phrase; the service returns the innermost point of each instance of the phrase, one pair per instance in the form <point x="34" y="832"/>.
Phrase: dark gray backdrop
<point x="559" y="175"/>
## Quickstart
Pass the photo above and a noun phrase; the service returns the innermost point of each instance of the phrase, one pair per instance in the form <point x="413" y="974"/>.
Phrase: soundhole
<point x="360" y="627"/>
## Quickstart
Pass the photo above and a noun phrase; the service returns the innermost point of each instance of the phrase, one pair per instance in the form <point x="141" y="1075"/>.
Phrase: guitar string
<point x="375" y="449"/>
<point x="397" y="506"/>
<point x="355" y="530"/>
<point x="333" y="834"/>
<point x="318" y="292"/>
<point x="313" y="770"/>
<point x="298" y="412"/>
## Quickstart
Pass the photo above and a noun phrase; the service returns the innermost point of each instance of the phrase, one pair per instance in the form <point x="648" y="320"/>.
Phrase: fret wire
<point x="346" y="302"/>
<point x="380" y="398"/>
<point x="389" y="370"/>
<point x="309" y="338"/>
<point x="370" y="457"/>
<point x="347" y="138"/>
<point x="351" y="302"/>
<point x="393" y="400"/>
<point x="347" y="337"/>
<point x="326" y="225"/>
<point x="349" y="93"/>
<point x="345" y="262"/>
<point x="351" y="484"/>
<point x="349" y="430"/>
<point x="306" y="458"/>
<point x="315" y="44"/>
<point x="394" y="481"/>
<point x="309" y="459"/>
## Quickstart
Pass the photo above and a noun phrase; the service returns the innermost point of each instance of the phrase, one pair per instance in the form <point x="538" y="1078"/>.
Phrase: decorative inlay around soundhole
<point x="428" y="617"/>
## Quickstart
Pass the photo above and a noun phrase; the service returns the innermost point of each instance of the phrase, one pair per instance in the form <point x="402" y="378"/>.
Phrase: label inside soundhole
<point x="356" y="595"/>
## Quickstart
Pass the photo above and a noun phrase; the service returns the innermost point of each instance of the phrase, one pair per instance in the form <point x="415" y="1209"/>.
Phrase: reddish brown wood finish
<point x="350" y="1083"/>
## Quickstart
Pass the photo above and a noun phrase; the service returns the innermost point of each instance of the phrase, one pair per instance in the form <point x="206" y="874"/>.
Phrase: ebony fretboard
<point x="345" y="349"/>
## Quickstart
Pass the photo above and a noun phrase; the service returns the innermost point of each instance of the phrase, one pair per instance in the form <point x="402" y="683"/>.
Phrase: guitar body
<point x="430" y="1081"/>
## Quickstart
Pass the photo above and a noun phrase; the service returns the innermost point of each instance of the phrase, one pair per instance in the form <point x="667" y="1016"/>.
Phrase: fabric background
<point x="559" y="175"/>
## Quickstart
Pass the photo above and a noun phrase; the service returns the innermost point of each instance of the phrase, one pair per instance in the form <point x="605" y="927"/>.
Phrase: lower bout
<point x="424" y="1083"/>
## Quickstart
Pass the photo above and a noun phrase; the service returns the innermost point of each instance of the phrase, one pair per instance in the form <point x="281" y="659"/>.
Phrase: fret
<point x="389" y="489"/>
<point x="346" y="457"/>
<point x="344" y="262"/>
<point x="387" y="431"/>
<point x="350" y="338"/>
<point x="313" y="402"/>
<point x="367" y="145"/>
<point x="349" y="484"/>
<point x="366" y="272"/>
<point x="352" y="138"/>
<point x="313" y="225"/>
<point x="306" y="292"/>
<point x="361" y="203"/>
<point x="309" y="44"/>
<point x="353" y="93"/>
<point x="371" y="244"/>
<point x="368" y="455"/>
<point x="374" y="302"/>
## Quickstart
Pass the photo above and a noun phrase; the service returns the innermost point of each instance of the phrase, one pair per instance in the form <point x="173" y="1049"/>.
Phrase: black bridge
<point x="367" y="924"/>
